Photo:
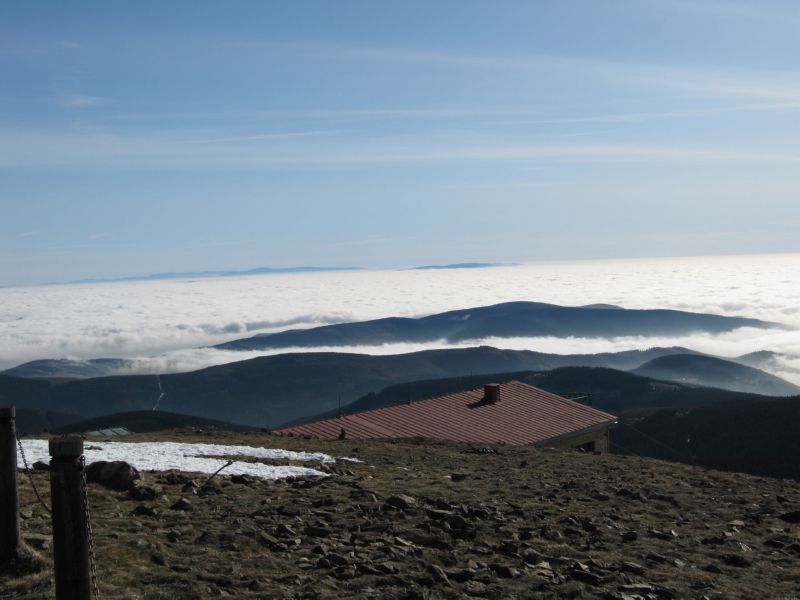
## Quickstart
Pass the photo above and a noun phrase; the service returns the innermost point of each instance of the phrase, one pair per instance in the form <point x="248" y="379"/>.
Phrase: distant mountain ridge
<point x="273" y="390"/>
<point x="465" y="265"/>
<point x="63" y="369"/>
<point x="66" y="368"/>
<point x="210" y="274"/>
<point x="266" y="271"/>
<point x="510" y="319"/>
<point x="709" y="371"/>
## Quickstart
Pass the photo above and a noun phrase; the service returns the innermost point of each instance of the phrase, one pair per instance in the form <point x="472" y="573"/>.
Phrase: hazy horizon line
<point x="300" y="269"/>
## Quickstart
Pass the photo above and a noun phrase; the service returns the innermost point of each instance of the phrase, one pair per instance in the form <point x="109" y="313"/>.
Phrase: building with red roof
<point x="511" y="413"/>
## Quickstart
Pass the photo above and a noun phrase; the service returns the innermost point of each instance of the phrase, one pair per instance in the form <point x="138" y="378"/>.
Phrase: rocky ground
<point x="437" y="520"/>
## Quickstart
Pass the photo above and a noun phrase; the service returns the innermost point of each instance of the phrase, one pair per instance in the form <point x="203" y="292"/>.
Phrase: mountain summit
<point x="509" y="319"/>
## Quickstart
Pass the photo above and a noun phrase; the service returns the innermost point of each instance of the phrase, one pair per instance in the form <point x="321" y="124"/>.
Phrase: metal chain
<point x="30" y="476"/>
<point x="92" y="562"/>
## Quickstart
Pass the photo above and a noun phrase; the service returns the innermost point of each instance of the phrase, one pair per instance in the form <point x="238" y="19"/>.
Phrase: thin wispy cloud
<point x="266" y="137"/>
<point x="187" y="149"/>
<point x="782" y="87"/>
<point x="705" y="81"/>
<point x="82" y="101"/>
<point x="365" y="114"/>
<point x="674" y="114"/>
<point x="514" y="115"/>
<point x="733" y="9"/>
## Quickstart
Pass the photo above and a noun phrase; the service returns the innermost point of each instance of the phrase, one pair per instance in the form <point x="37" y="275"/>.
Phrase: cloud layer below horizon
<point x="167" y="326"/>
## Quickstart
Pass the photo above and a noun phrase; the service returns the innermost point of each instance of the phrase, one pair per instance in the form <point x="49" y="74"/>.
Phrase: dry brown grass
<point x="564" y="507"/>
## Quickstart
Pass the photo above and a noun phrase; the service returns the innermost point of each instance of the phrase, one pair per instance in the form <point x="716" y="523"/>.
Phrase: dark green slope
<point x="23" y="393"/>
<point x="264" y="391"/>
<point x="104" y="395"/>
<point x="29" y="396"/>
<point x="273" y="390"/>
<point x="147" y="421"/>
<point x="761" y="437"/>
<point x="695" y="369"/>
<point x="619" y="392"/>
<point x="32" y="421"/>
<point x="608" y="389"/>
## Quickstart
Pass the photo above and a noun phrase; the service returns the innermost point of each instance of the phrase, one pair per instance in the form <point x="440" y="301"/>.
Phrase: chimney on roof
<point x="491" y="393"/>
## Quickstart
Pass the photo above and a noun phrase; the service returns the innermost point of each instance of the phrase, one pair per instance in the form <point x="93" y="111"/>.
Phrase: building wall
<point x="599" y="439"/>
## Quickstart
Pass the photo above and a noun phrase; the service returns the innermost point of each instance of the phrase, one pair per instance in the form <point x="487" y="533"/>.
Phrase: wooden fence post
<point x="9" y="500"/>
<point x="70" y="527"/>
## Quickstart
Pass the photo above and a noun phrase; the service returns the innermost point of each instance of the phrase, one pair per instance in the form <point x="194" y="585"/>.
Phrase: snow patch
<point x="194" y="458"/>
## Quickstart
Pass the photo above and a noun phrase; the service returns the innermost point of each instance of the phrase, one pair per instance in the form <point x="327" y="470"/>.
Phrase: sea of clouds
<point x="167" y="326"/>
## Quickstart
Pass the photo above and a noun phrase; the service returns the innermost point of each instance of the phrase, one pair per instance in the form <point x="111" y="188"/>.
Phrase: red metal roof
<point x="525" y="415"/>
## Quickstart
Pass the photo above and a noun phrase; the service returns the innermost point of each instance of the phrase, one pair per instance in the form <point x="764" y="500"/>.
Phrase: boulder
<point x="37" y="540"/>
<point x="116" y="475"/>
<point x="145" y="511"/>
<point x="736" y="560"/>
<point x="139" y="491"/>
<point x="791" y="517"/>
<point x="182" y="504"/>
<point x="401" y="502"/>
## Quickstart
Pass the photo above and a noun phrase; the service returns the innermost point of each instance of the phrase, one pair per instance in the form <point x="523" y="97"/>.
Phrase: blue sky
<point x="149" y="136"/>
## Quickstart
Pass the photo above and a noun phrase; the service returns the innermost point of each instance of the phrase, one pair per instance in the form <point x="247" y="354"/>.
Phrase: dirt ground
<point x="422" y="519"/>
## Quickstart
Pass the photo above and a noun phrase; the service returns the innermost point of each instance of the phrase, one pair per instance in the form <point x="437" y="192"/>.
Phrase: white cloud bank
<point x="164" y="325"/>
